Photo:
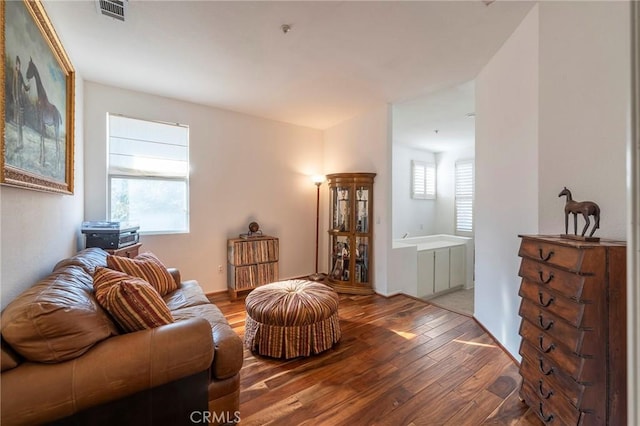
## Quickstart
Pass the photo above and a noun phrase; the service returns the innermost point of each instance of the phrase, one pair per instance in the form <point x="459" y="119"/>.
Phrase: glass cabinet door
<point x="340" y="258"/>
<point x="340" y="198"/>
<point x="362" y="209"/>
<point x="361" y="272"/>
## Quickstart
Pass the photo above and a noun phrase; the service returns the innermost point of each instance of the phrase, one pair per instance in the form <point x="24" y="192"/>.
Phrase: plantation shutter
<point x="423" y="180"/>
<point x="464" y="196"/>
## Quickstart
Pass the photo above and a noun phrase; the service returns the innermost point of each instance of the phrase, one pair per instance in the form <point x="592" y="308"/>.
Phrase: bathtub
<point x="430" y="265"/>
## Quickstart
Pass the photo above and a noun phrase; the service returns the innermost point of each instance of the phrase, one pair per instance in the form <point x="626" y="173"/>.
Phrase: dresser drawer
<point x="534" y="369"/>
<point x="579" y="368"/>
<point x="548" y="276"/>
<point x="567" y="257"/>
<point x="578" y="340"/>
<point x="553" y="410"/>
<point x="570" y="310"/>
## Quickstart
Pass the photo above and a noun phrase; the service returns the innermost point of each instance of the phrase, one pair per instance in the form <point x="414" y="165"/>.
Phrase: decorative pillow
<point x="148" y="267"/>
<point x="133" y="302"/>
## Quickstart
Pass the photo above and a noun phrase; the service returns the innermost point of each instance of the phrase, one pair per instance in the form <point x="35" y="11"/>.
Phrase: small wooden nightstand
<point x="129" y="251"/>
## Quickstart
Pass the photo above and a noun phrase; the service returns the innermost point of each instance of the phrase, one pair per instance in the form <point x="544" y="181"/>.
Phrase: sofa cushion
<point x="146" y="266"/>
<point x="57" y="319"/>
<point x="9" y="358"/>
<point x="133" y="302"/>
<point x="188" y="294"/>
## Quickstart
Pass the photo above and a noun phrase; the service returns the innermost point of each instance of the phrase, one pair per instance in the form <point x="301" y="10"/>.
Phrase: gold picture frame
<point x="37" y="112"/>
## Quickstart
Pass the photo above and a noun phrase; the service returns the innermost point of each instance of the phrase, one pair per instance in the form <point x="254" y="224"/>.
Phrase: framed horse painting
<point x="37" y="123"/>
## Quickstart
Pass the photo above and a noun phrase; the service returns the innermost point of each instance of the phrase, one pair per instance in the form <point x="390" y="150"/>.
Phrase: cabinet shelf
<point x="350" y="232"/>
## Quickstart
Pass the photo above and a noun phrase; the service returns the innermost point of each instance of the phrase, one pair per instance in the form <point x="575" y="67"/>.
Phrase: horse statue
<point x="47" y="113"/>
<point x="585" y="208"/>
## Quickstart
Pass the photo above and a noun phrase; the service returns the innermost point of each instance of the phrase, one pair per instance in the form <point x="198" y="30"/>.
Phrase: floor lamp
<point x="317" y="180"/>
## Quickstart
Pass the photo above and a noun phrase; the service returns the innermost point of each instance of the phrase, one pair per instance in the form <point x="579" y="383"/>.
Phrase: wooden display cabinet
<point x="351" y="232"/>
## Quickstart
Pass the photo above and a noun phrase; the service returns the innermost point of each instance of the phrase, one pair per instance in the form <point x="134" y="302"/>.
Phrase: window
<point x="464" y="197"/>
<point x="423" y="180"/>
<point x="148" y="174"/>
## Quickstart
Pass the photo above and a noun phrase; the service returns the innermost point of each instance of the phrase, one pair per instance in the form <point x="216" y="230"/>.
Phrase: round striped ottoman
<point x="293" y="318"/>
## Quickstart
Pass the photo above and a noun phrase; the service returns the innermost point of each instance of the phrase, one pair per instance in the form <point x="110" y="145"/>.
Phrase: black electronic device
<point x="110" y="235"/>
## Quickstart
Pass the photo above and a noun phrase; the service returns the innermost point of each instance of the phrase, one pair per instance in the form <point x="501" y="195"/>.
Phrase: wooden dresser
<point x="573" y="330"/>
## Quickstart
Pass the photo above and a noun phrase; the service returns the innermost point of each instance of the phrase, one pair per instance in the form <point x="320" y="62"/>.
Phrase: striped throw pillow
<point x="148" y="267"/>
<point x="131" y="301"/>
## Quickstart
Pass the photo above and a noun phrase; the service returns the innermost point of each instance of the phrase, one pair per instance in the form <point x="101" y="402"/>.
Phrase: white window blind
<point x="423" y="180"/>
<point x="148" y="174"/>
<point x="464" y="196"/>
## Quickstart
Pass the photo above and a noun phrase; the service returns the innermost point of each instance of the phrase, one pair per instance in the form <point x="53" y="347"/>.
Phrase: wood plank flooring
<point x="400" y="361"/>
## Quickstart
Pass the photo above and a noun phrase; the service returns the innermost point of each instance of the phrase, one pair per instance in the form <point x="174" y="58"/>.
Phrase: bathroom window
<point x="423" y="180"/>
<point x="148" y="174"/>
<point x="464" y="197"/>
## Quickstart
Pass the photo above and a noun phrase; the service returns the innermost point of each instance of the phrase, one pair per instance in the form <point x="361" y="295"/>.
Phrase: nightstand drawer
<point x="129" y="251"/>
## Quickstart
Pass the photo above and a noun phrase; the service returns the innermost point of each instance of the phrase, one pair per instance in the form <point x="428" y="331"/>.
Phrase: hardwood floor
<point x="400" y="361"/>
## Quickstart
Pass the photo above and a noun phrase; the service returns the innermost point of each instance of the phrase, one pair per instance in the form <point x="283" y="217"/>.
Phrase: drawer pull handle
<point x="546" y="419"/>
<point x="544" y="395"/>
<point x="542" y="324"/>
<point x="542" y="302"/>
<point x="548" y="349"/>
<point x="541" y="368"/>
<point x="543" y="257"/>
<point x="542" y="280"/>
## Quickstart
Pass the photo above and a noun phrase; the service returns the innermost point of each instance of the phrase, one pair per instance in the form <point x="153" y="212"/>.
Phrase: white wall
<point x="38" y="229"/>
<point x="444" y="221"/>
<point x="417" y="217"/>
<point x="506" y="177"/>
<point x="363" y="144"/>
<point x="584" y="100"/>
<point x="243" y="169"/>
<point x="551" y="110"/>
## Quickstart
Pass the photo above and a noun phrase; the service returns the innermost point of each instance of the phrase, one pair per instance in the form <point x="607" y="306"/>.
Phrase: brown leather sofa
<point x="65" y="361"/>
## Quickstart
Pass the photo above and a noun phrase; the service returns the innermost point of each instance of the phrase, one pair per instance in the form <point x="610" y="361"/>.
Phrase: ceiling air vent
<point x="112" y="8"/>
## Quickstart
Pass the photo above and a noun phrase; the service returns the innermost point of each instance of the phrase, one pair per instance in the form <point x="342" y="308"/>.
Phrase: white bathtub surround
<point x="443" y="262"/>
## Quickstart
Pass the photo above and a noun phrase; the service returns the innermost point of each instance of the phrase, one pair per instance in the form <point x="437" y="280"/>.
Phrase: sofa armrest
<point x="228" y="347"/>
<point x="115" y="368"/>
<point x="175" y="273"/>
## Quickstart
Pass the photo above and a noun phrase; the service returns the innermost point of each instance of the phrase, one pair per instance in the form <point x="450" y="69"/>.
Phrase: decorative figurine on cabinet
<point x="586" y="209"/>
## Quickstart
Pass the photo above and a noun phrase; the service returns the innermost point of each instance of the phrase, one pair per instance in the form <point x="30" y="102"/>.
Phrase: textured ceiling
<point x="338" y="60"/>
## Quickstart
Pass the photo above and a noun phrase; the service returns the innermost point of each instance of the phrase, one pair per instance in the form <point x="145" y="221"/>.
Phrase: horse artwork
<point x="585" y="208"/>
<point x="46" y="112"/>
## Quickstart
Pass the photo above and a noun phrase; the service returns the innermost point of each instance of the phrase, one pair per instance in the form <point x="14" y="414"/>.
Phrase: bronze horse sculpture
<point x="585" y="208"/>
<point x="47" y="113"/>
